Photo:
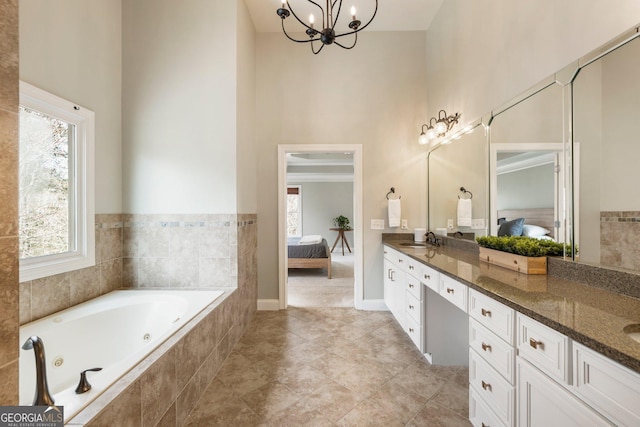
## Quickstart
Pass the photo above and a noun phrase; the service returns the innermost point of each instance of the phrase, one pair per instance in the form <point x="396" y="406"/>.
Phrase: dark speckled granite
<point x="589" y="315"/>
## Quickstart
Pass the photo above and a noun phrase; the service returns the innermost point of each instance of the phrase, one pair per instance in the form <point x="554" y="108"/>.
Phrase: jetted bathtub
<point x="113" y="332"/>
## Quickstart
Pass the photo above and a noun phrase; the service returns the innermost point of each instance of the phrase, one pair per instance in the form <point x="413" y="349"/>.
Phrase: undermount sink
<point x="633" y="331"/>
<point x="413" y="244"/>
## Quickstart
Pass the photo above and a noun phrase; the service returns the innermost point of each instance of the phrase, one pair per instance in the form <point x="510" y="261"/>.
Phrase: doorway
<point x="317" y="151"/>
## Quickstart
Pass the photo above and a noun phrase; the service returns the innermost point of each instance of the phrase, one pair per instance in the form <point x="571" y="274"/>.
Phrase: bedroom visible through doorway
<point x="320" y="190"/>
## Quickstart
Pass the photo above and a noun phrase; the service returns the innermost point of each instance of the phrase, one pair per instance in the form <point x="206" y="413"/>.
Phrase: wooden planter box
<point x="519" y="263"/>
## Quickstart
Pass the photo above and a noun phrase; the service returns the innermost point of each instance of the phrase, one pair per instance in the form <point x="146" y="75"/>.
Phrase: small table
<point x="342" y="237"/>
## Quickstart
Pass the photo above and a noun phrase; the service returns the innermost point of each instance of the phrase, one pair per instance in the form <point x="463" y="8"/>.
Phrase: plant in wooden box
<point x="523" y="254"/>
<point x="341" y="222"/>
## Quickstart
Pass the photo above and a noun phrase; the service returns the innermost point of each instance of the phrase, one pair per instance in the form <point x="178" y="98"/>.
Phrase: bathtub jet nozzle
<point x="83" y="385"/>
<point x="42" y="396"/>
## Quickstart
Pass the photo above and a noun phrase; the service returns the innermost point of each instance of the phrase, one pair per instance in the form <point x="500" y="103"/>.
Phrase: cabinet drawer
<point x="607" y="386"/>
<point x="497" y="317"/>
<point x="414" y="287"/>
<point x="545" y="348"/>
<point x="414" y="330"/>
<point x="391" y="254"/>
<point x="500" y="355"/>
<point x="414" y="308"/>
<point x="480" y="414"/>
<point x="492" y="388"/>
<point x="454" y="292"/>
<point x="413" y="267"/>
<point x="431" y="278"/>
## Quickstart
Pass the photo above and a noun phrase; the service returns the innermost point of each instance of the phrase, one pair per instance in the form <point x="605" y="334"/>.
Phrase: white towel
<point x="311" y="239"/>
<point x="395" y="212"/>
<point x="464" y="212"/>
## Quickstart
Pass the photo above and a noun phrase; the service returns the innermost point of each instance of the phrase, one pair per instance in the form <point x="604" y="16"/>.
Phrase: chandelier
<point x="443" y="124"/>
<point x="330" y="15"/>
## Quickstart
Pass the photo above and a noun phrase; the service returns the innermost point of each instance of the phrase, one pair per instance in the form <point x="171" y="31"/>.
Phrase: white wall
<point x="179" y="106"/>
<point x="246" y="98"/>
<point x="373" y="95"/>
<point x="526" y="188"/>
<point x="480" y="54"/>
<point x="323" y="201"/>
<point x="73" y="49"/>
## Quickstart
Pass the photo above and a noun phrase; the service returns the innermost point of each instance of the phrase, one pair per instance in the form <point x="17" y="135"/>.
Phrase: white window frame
<point x="83" y="185"/>
<point x="299" y="187"/>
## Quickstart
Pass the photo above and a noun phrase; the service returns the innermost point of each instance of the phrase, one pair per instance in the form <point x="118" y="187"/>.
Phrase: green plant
<point x="521" y="245"/>
<point x="341" y="221"/>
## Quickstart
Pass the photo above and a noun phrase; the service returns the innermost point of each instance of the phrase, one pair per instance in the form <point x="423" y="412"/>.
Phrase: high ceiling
<point x="393" y="15"/>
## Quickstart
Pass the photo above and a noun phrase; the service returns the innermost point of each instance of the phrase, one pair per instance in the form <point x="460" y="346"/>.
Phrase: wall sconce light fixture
<point x="442" y="125"/>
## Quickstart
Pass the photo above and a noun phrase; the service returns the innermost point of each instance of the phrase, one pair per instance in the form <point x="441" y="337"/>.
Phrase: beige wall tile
<point x="8" y="168"/>
<point x="9" y="57"/>
<point x="124" y="410"/>
<point x="9" y="384"/>
<point x="9" y="300"/>
<point x="25" y="302"/>
<point x="158" y="388"/>
<point x="169" y="418"/>
<point x="84" y="284"/>
<point x="110" y="275"/>
<point x="49" y="295"/>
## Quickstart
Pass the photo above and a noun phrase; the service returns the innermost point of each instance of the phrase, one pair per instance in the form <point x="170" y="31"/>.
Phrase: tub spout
<point x="83" y="385"/>
<point x="42" y="396"/>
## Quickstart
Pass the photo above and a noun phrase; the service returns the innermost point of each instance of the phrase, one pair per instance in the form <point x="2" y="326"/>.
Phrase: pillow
<point x="534" y="230"/>
<point x="511" y="228"/>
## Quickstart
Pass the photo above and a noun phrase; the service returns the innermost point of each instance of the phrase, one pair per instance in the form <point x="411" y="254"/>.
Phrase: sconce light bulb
<point x="311" y="20"/>
<point x="423" y="140"/>
<point x="431" y="133"/>
<point x="441" y="127"/>
<point x="353" y="13"/>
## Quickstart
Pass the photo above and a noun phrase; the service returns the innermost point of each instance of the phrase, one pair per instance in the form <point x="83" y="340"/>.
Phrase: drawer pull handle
<point x="411" y="330"/>
<point x="411" y="267"/>
<point x="410" y="307"/>
<point x="426" y="276"/>
<point x="393" y="276"/>
<point x="486" y="347"/>
<point x="411" y="285"/>
<point x="486" y="313"/>
<point x="485" y="425"/>
<point x="535" y="344"/>
<point x="450" y="290"/>
<point x="486" y="386"/>
<point x="400" y="260"/>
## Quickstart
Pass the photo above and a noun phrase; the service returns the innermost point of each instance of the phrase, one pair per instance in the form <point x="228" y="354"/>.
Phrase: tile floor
<point x="331" y="367"/>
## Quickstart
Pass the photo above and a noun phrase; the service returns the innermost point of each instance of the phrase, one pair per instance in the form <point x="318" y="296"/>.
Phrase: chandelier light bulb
<point x="311" y="20"/>
<point x="353" y="13"/>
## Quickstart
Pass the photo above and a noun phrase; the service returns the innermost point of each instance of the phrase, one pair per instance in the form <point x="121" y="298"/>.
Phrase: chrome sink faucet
<point x="42" y="396"/>
<point x="431" y="238"/>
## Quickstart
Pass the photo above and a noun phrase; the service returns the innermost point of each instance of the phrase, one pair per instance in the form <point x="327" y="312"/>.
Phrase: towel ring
<point x="392" y="191"/>
<point x="465" y="192"/>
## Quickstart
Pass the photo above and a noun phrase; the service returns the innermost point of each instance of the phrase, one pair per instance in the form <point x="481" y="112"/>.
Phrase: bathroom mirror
<point x="606" y="125"/>
<point x="526" y="161"/>
<point x="460" y="163"/>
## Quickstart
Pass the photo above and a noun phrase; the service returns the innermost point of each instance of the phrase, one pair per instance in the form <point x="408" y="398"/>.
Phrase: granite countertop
<point x="589" y="315"/>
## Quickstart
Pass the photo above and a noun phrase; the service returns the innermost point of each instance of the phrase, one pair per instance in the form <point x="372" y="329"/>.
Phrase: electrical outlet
<point x="377" y="224"/>
<point x="450" y="224"/>
<point x="404" y="224"/>
<point x="477" y="223"/>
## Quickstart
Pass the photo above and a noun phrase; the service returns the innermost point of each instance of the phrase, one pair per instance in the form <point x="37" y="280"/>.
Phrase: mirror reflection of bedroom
<point x="320" y="207"/>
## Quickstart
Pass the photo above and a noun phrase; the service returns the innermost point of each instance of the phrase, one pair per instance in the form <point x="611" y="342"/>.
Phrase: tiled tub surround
<point x="589" y="315"/>
<point x="163" y="388"/>
<point x="180" y="251"/>
<point x="619" y="236"/>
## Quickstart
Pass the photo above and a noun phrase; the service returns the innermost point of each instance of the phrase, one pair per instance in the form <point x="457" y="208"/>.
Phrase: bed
<point x="540" y="217"/>
<point x="309" y="256"/>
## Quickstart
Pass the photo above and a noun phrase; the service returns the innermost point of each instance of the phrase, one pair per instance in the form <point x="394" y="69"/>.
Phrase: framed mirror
<point x="461" y="163"/>
<point x="526" y="164"/>
<point x="606" y="111"/>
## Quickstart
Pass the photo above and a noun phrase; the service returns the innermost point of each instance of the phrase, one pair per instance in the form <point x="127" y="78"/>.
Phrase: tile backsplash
<point x="619" y="237"/>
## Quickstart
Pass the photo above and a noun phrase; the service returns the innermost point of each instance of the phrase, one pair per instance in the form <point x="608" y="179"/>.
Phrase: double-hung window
<point x="56" y="185"/>
<point x="294" y="211"/>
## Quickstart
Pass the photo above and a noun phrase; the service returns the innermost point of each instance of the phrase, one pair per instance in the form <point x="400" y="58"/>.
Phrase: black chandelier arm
<point x="355" y="40"/>
<point x="315" y="52"/>
<point x="335" y="19"/>
<point x="301" y="21"/>
<point x="363" y="27"/>
<point x="295" y="40"/>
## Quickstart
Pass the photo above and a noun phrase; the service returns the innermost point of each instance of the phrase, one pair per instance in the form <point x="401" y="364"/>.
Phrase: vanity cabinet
<point x="394" y="287"/>
<point x="492" y="355"/>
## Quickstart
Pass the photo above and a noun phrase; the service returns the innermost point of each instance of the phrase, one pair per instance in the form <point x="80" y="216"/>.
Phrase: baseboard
<point x="372" y="305"/>
<point x="268" y="305"/>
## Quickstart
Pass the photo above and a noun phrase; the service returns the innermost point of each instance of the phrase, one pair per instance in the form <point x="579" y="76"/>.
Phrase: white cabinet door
<point x="544" y="403"/>
<point x="389" y="295"/>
